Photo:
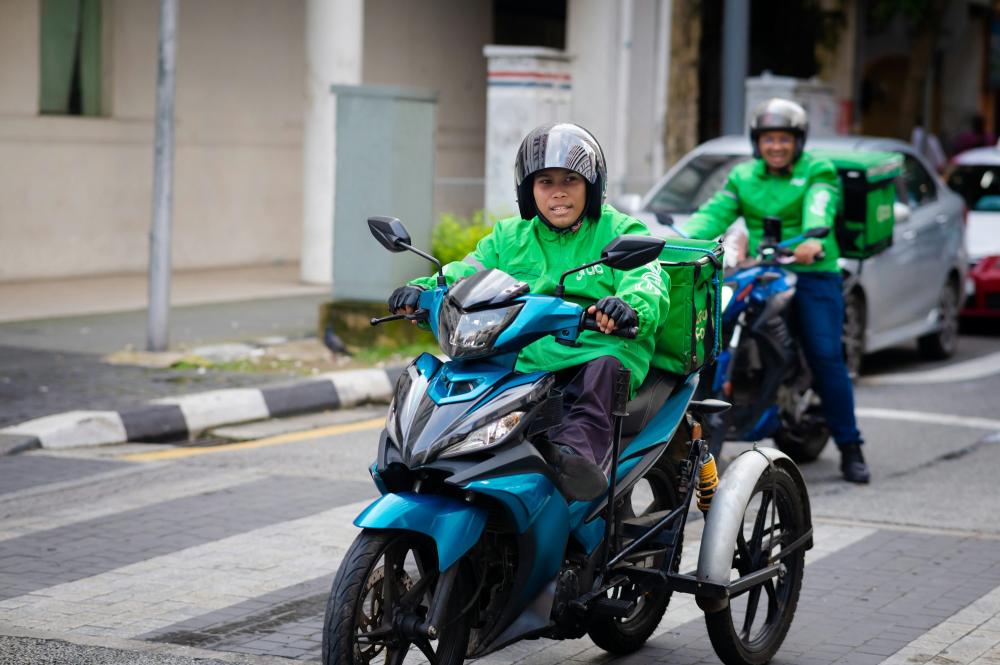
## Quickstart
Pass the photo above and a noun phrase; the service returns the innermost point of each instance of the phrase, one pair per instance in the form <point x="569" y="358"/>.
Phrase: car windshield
<point x="979" y="185"/>
<point x="695" y="183"/>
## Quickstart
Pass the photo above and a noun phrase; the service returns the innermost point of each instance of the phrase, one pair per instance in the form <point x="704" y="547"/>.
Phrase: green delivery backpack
<point x="689" y="338"/>
<point x="865" y="216"/>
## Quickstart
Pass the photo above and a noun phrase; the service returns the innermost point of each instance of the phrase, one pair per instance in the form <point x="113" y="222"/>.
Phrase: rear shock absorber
<point x="707" y="482"/>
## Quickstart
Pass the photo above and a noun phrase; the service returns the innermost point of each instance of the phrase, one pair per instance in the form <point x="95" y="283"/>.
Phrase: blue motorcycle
<point x="472" y="547"/>
<point x="762" y="370"/>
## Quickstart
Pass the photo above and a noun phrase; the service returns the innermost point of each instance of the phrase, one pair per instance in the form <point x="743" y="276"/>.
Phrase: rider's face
<point x="777" y="148"/>
<point x="560" y="195"/>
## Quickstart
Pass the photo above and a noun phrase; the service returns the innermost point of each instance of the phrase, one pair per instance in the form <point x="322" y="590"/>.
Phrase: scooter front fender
<point x="453" y="525"/>
<point x="725" y="517"/>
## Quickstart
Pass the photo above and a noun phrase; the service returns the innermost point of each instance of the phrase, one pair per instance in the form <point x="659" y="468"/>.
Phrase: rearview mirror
<point x="631" y="251"/>
<point x="818" y="232"/>
<point x="390" y="232"/>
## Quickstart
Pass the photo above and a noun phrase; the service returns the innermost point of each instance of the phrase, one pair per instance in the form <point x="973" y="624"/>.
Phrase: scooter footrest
<point x="611" y="607"/>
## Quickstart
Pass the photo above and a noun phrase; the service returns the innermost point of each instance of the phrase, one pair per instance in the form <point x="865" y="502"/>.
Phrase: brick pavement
<point x="245" y="567"/>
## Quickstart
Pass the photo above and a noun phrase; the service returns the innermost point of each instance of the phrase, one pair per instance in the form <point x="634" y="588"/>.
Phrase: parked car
<point x="975" y="174"/>
<point x="912" y="290"/>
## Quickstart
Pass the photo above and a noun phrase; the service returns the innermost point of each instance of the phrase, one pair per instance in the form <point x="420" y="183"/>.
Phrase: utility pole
<point x="735" y="31"/>
<point x="163" y="171"/>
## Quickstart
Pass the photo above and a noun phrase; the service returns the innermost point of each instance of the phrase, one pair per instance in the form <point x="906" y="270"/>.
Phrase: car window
<point x="694" y="184"/>
<point x="919" y="184"/>
<point x="978" y="185"/>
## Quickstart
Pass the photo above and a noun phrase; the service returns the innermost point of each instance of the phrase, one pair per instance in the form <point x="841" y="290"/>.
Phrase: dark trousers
<point x="819" y="316"/>
<point x="588" y="395"/>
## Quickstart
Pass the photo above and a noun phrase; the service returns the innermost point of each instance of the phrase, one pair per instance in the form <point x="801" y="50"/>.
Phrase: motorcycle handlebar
<point x="419" y="315"/>
<point x="590" y="323"/>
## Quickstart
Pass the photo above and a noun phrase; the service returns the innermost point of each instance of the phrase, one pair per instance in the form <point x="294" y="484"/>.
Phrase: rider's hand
<point x="404" y="299"/>
<point x="806" y="252"/>
<point x="612" y="313"/>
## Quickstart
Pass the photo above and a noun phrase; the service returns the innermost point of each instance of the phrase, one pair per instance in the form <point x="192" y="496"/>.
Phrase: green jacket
<point x="530" y="251"/>
<point x="804" y="199"/>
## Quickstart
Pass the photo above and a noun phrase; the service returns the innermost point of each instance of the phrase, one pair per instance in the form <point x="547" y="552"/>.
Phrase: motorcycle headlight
<point x="488" y="435"/>
<point x="726" y="297"/>
<point x="472" y="334"/>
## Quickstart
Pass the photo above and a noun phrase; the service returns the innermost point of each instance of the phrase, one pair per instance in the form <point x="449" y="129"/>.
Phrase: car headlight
<point x="488" y="435"/>
<point x="726" y="297"/>
<point x="472" y="334"/>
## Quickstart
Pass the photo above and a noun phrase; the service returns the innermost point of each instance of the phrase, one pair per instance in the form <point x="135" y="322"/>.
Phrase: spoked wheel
<point x="382" y="592"/>
<point x="751" y="629"/>
<point x="655" y="493"/>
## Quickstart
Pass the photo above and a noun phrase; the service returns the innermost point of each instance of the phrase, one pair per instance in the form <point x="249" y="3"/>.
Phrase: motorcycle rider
<point x="784" y="181"/>
<point x="561" y="180"/>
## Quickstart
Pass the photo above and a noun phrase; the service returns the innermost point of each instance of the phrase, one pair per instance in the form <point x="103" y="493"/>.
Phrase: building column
<point x="334" y="32"/>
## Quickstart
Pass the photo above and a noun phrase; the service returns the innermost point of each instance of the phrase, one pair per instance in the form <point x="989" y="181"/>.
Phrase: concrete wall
<point x="76" y="194"/>
<point x="438" y="44"/>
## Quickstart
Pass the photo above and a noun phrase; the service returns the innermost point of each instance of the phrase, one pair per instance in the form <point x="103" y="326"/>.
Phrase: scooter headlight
<point x="472" y="334"/>
<point x="726" y="296"/>
<point x="486" y="436"/>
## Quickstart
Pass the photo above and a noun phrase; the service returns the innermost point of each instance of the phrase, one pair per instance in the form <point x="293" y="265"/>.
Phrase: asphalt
<point x="55" y="379"/>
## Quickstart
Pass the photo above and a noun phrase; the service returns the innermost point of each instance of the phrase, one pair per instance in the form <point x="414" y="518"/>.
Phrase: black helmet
<point x="781" y="114"/>
<point x="560" y="145"/>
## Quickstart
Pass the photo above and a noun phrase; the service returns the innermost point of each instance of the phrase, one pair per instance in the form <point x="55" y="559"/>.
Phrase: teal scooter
<point x="471" y="546"/>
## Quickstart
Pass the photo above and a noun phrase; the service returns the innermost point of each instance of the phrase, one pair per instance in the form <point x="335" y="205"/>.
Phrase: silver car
<point x="910" y="291"/>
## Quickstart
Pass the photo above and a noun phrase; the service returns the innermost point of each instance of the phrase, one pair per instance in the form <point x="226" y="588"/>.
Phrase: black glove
<point x="404" y="296"/>
<point x="616" y="308"/>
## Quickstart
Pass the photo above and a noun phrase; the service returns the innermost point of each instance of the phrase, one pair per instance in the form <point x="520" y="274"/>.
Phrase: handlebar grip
<point x="590" y="323"/>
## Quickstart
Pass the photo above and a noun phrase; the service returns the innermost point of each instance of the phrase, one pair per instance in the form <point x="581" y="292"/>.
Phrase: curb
<point x="184" y="417"/>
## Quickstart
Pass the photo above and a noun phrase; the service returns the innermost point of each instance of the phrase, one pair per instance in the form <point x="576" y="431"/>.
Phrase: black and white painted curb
<point x="185" y="416"/>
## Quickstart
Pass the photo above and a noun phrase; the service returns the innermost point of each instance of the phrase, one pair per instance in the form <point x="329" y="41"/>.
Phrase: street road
<point x="153" y="554"/>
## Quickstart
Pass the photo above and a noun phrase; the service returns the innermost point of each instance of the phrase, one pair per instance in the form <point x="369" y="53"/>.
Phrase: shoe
<point x="852" y="464"/>
<point x="577" y="477"/>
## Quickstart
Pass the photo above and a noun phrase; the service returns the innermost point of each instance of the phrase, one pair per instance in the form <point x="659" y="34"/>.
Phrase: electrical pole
<point x="163" y="169"/>
<point x="735" y="32"/>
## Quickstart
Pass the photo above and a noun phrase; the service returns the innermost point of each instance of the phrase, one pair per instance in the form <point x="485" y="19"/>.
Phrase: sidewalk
<point x="56" y="334"/>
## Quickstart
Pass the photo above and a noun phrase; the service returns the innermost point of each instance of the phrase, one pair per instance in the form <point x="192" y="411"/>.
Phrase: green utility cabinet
<point x="384" y="166"/>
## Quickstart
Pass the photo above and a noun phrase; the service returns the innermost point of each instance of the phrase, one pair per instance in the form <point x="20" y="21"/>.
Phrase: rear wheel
<point x="384" y="587"/>
<point x="943" y="343"/>
<point x="655" y="494"/>
<point x="750" y="630"/>
<point x="853" y="335"/>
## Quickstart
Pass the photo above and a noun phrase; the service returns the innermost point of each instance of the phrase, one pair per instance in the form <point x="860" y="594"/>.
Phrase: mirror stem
<point x="440" y="276"/>
<point x="561" y="288"/>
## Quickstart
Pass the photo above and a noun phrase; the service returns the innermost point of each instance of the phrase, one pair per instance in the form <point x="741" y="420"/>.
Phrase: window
<point x="70" y="57"/>
<point x="920" y="187"/>
<point x="694" y="184"/>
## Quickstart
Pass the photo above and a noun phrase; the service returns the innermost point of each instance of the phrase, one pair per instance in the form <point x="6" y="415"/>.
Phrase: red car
<point x="975" y="175"/>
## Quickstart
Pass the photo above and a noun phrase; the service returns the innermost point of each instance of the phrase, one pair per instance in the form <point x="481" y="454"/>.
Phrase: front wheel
<point x="804" y="440"/>
<point x="750" y="630"/>
<point x="943" y="343"/>
<point x="384" y="588"/>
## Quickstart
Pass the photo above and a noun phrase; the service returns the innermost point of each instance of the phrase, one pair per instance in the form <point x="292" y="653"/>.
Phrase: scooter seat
<point x="652" y="393"/>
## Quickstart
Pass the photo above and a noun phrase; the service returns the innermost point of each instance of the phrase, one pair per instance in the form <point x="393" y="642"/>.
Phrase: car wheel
<point x="853" y="336"/>
<point x="943" y="343"/>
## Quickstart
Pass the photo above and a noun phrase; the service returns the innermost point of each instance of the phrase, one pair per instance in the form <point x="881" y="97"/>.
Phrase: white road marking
<point x="967" y="370"/>
<point x="929" y="418"/>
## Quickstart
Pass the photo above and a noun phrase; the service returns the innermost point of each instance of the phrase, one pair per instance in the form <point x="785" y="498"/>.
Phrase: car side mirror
<point x="901" y="212"/>
<point x="390" y="232"/>
<point x="631" y="251"/>
<point x="819" y="232"/>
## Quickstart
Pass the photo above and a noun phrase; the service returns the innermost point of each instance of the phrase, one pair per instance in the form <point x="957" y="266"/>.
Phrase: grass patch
<point x="379" y="353"/>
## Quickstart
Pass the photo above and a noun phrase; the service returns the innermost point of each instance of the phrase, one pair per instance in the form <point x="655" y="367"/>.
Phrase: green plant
<point x="454" y="237"/>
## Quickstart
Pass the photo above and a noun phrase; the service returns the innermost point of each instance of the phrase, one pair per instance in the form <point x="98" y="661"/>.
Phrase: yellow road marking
<point x="332" y="430"/>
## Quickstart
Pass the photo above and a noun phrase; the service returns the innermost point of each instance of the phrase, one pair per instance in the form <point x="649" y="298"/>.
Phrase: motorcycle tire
<point x="626" y="635"/>
<point x="774" y="517"/>
<point x="803" y="443"/>
<point x="357" y="603"/>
